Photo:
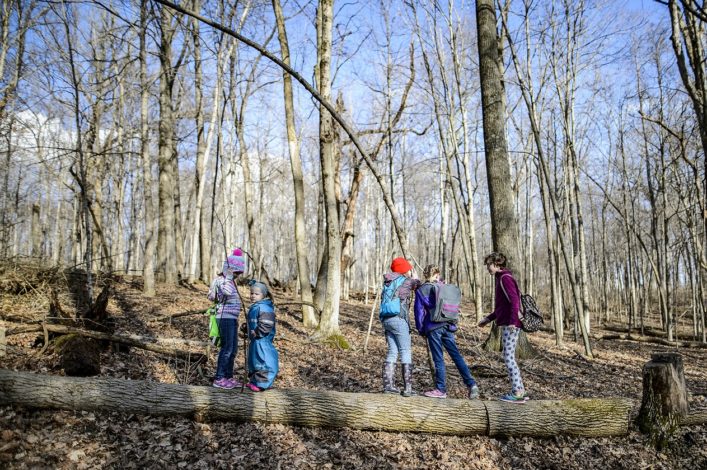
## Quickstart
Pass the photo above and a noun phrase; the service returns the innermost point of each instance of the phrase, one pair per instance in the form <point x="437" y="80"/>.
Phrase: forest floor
<point x="74" y="439"/>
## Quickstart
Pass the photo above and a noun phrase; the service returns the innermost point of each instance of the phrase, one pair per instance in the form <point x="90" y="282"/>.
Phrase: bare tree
<point x="504" y="226"/>
<point x="308" y="315"/>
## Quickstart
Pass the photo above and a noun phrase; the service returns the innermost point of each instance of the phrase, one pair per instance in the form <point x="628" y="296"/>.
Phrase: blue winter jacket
<point x="263" y="364"/>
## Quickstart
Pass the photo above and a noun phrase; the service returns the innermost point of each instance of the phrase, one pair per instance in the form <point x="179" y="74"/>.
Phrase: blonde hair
<point x="430" y="270"/>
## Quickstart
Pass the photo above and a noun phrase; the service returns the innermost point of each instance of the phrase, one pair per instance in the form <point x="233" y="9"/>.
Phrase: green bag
<point x="214" y="334"/>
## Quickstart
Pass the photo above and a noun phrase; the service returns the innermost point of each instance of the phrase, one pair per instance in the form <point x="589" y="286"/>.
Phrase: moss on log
<point x="582" y="417"/>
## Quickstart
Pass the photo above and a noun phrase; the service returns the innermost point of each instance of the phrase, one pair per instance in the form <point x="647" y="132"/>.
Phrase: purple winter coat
<point x="425" y="303"/>
<point x="507" y="300"/>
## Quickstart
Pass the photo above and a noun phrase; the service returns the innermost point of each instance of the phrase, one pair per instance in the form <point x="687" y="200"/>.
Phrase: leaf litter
<point x="32" y="438"/>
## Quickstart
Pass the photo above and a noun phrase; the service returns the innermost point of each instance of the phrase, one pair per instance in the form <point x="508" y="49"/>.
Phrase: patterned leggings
<point x="510" y="339"/>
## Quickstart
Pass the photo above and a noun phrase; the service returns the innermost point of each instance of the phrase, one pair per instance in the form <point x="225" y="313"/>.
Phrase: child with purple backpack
<point x="439" y="335"/>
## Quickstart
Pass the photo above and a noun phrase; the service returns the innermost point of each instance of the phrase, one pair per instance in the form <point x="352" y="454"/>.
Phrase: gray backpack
<point x="448" y="303"/>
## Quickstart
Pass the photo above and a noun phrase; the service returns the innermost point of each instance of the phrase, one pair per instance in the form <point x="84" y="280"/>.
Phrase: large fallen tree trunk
<point x="581" y="417"/>
<point x="653" y="332"/>
<point x="653" y="340"/>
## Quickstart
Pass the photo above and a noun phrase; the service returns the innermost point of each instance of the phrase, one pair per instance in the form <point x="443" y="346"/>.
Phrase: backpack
<point x="214" y="333"/>
<point x="448" y="303"/>
<point x="390" y="302"/>
<point x="532" y="319"/>
<point x="529" y="315"/>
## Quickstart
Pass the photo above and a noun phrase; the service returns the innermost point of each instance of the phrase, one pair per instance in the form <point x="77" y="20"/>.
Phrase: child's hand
<point x="485" y="321"/>
<point x="244" y="330"/>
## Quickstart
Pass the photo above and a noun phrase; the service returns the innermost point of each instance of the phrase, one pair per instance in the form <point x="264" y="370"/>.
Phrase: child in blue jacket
<point x="439" y="335"/>
<point x="262" y="355"/>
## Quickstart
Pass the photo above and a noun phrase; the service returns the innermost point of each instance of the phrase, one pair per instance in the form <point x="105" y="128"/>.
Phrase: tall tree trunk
<point x="309" y="318"/>
<point x="166" y="242"/>
<point x="504" y="226"/>
<point x="148" y="271"/>
<point x="200" y="248"/>
<point x="329" y="321"/>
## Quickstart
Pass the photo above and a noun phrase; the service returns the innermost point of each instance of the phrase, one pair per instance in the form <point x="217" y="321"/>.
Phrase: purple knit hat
<point x="235" y="263"/>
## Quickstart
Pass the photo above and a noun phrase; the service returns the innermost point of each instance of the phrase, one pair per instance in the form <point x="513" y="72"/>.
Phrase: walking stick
<point x="245" y="341"/>
<point x="245" y="363"/>
<point x="370" y="320"/>
<point x="431" y="362"/>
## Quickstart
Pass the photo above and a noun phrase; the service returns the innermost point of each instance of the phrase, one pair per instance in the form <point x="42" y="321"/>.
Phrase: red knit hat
<point x="400" y="265"/>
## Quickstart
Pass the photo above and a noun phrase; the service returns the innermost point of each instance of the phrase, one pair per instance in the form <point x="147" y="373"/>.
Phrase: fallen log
<point x="649" y="331"/>
<point x="177" y="315"/>
<point x="149" y="346"/>
<point x="580" y="417"/>
<point x="694" y="417"/>
<point x="652" y="340"/>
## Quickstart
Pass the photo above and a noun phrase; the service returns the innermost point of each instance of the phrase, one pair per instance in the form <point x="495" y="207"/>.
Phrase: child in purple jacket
<point x="506" y="316"/>
<point x="439" y="335"/>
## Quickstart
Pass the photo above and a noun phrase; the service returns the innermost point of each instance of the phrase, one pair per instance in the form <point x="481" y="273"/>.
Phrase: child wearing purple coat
<point x="440" y="337"/>
<point x="506" y="317"/>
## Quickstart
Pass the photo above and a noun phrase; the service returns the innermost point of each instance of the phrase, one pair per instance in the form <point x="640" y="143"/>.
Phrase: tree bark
<point x="166" y="241"/>
<point x="504" y="226"/>
<point x="148" y="271"/>
<point x="664" y="394"/>
<point x="329" y="321"/>
<point x="379" y="412"/>
<point x="309" y="319"/>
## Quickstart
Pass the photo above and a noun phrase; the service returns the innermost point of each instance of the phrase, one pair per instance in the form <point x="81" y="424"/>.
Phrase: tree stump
<point x="664" y="397"/>
<point x="524" y="349"/>
<point x="80" y="357"/>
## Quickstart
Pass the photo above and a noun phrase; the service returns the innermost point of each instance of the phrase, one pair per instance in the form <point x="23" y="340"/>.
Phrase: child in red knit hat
<point x="398" y="286"/>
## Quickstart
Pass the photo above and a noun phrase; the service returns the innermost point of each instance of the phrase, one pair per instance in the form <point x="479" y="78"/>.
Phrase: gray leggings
<point x="509" y="341"/>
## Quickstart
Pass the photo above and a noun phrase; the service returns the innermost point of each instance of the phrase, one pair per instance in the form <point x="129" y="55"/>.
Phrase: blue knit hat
<point x="260" y="286"/>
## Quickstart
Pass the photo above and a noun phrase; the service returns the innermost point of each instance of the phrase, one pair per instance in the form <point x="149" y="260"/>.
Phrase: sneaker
<point x="436" y="393"/>
<point x="473" y="392"/>
<point x="235" y="382"/>
<point x="254" y="387"/>
<point x="223" y="383"/>
<point x="512" y="398"/>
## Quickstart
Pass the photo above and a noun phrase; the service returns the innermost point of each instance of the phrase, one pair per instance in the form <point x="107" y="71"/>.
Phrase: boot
<point x="407" y="381"/>
<point x="389" y="378"/>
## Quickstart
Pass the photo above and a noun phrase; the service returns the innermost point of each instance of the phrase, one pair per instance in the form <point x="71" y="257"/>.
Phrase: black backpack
<point x="530" y="317"/>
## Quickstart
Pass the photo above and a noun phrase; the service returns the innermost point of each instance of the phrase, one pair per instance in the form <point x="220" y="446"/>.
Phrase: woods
<point x="595" y="187"/>
<point x="143" y="141"/>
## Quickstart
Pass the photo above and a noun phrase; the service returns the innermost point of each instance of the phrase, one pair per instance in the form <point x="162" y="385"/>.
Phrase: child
<point x="223" y="291"/>
<point x="506" y="316"/>
<point x="439" y="334"/>
<point x="262" y="355"/>
<point x="397" y="326"/>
